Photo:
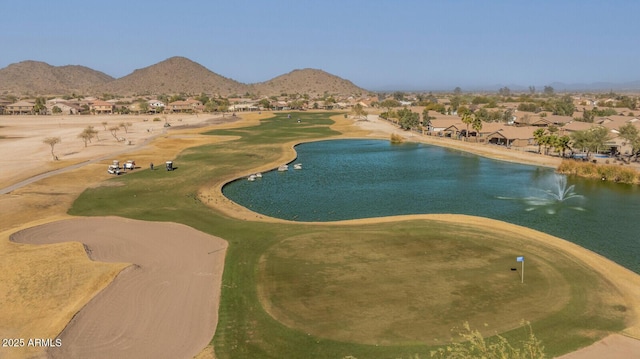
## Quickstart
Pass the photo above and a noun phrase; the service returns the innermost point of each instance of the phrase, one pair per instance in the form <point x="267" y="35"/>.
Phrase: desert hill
<point x="34" y="77"/>
<point x="171" y="76"/>
<point x="308" y="81"/>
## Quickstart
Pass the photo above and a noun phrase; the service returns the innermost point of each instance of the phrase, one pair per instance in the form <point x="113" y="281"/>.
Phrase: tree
<point x="538" y="137"/>
<point x="56" y="110"/>
<point x="389" y="104"/>
<point x="265" y="103"/>
<point x="532" y="90"/>
<point x="87" y="134"/>
<point x="631" y="134"/>
<point x="408" y="119"/>
<point x="562" y="144"/>
<point x="40" y="107"/>
<point x="52" y="141"/>
<point x="426" y="119"/>
<point x="504" y="91"/>
<point x="143" y="106"/>
<point x="591" y="140"/>
<point x="476" y="125"/>
<point x="104" y="124"/>
<point x="548" y="90"/>
<point x="359" y="112"/>
<point x="126" y="126"/>
<point x="467" y="119"/>
<point x="114" y="132"/>
<point x="457" y="91"/>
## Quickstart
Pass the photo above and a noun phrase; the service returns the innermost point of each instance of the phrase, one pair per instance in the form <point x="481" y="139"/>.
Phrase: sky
<point x="378" y="45"/>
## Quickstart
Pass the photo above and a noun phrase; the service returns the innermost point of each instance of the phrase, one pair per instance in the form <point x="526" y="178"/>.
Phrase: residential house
<point x="66" y="107"/>
<point x="20" y="108"/>
<point x="511" y="136"/>
<point x="101" y="107"/>
<point x="156" y="106"/>
<point x="188" y="105"/>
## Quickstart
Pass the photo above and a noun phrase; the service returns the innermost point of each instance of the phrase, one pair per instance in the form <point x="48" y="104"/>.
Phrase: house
<point x="20" y="108"/>
<point x="441" y="122"/>
<point x="156" y="106"/>
<point x="66" y="108"/>
<point x="511" y="136"/>
<point x="188" y="105"/>
<point x="101" y="107"/>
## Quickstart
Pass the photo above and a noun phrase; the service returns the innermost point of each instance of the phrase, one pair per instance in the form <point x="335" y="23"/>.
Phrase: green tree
<point x="56" y="110"/>
<point x="52" y="142"/>
<point x="539" y="137"/>
<point x="631" y="134"/>
<point x="359" y="112"/>
<point x="562" y="144"/>
<point x="408" y="119"/>
<point x="591" y="140"/>
<point x="468" y="119"/>
<point x="40" y="107"/>
<point x="265" y="103"/>
<point x="548" y="91"/>
<point x="143" y="105"/>
<point x="389" y="104"/>
<point x="477" y="125"/>
<point x="426" y="119"/>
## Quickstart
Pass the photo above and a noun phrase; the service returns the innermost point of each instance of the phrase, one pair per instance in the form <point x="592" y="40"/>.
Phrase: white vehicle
<point x="129" y="165"/>
<point x="113" y="169"/>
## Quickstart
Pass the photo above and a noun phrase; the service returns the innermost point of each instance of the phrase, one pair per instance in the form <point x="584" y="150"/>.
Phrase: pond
<point x="349" y="179"/>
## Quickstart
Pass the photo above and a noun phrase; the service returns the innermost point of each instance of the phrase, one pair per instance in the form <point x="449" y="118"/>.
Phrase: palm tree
<point x="562" y="144"/>
<point x="467" y="118"/>
<point x="538" y="137"/>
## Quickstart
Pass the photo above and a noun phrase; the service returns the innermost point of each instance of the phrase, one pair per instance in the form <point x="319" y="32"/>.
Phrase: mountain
<point x="171" y="76"/>
<point x="36" y="77"/>
<point x="307" y="81"/>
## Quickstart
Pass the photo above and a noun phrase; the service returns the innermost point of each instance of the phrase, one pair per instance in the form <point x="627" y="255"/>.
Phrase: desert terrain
<point x="47" y="297"/>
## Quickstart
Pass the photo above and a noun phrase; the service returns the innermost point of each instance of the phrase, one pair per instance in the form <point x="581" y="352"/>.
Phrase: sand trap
<point x="164" y="305"/>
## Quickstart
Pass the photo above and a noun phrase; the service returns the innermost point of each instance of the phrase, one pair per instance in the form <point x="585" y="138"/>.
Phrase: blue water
<point x="347" y="179"/>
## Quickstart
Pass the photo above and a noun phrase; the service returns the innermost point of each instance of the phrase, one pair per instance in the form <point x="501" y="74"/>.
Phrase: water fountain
<point x="557" y="196"/>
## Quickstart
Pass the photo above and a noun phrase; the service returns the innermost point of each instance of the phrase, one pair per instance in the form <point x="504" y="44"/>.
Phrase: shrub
<point x="156" y="119"/>
<point x="395" y="138"/>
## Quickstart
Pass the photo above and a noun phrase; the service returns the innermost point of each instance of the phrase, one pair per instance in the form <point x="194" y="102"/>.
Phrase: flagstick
<point x="522" y="272"/>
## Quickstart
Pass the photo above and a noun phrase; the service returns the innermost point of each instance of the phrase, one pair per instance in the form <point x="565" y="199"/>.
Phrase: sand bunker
<point x="164" y="305"/>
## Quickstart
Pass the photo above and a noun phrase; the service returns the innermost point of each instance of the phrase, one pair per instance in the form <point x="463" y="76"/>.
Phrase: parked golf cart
<point x="169" y="165"/>
<point x="113" y="169"/>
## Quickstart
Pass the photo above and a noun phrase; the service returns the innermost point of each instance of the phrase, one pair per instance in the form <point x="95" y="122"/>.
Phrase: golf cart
<point x="130" y="165"/>
<point x="113" y="169"/>
<point x="169" y="165"/>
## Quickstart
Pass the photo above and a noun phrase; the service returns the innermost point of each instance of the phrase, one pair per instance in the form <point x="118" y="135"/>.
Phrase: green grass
<point x="372" y="291"/>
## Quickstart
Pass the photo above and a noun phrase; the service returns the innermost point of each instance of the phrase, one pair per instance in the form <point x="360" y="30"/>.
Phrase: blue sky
<point x="402" y="44"/>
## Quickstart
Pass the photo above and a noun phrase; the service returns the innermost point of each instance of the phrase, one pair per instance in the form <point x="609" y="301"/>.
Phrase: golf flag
<point x="519" y="259"/>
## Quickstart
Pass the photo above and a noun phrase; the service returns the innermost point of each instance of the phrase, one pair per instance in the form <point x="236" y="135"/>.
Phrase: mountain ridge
<point x="170" y="76"/>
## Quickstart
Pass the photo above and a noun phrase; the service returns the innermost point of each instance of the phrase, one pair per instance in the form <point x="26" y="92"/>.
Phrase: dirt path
<point x="164" y="305"/>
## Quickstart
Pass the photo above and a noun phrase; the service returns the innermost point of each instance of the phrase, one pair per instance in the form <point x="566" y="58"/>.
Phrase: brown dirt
<point x="163" y="305"/>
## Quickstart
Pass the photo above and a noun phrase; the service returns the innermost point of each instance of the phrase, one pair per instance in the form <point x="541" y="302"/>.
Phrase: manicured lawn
<point x="368" y="290"/>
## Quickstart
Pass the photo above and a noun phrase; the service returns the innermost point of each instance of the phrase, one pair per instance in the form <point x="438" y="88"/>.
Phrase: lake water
<point x="348" y="179"/>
